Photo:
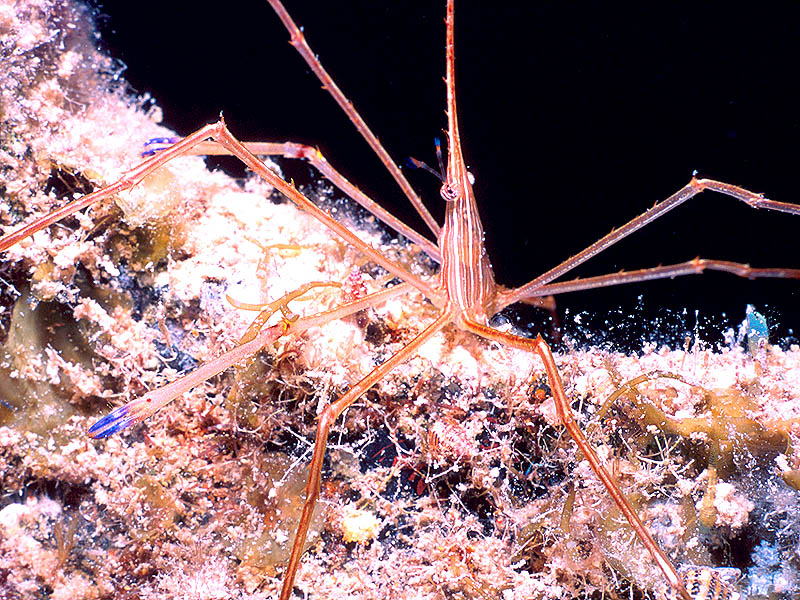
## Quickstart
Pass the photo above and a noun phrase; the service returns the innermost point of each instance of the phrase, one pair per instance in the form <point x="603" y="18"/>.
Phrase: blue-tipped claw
<point x="161" y="140"/>
<point x="113" y="422"/>
<point x="162" y="143"/>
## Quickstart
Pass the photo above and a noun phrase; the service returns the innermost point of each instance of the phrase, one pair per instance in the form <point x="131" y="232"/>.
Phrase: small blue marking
<point x="161" y="140"/>
<point x="118" y="414"/>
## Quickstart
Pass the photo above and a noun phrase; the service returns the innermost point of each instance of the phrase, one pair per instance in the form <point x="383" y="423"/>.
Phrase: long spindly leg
<point x="257" y="337"/>
<point x="297" y="39"/>
<point x="219" y="132"/>
<point x="321" y="164"/>
<point x="326" y="420"/>
<point x="539" y="347"/>
<point x="694" y="187"/>
<point x="292" y="150"/>
<point x="690" y="267"/>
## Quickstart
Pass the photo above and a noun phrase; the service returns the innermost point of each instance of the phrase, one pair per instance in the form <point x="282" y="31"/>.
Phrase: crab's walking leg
<point x="541" y="348"/>
<point x="219" y="132"/>
<point x="690" y="267"/>
<point x="690" y="190"/>
<point x="326" y="420"/>
<point x="321" y="164"/>
<point x="297" y="39"/>
<point x="137" y="410"/>
<point x="145" y="406"/>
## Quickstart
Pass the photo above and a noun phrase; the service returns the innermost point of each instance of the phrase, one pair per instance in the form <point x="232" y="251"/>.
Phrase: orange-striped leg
<point x="326" y="420"/>
<point x="540" y="347"/>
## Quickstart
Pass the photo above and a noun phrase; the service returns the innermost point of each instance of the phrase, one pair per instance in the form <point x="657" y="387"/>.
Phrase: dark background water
<point x="574" y="119"/>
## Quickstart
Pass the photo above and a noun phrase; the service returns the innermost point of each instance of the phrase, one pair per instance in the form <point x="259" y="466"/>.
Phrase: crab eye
<point x="449" y="192"/>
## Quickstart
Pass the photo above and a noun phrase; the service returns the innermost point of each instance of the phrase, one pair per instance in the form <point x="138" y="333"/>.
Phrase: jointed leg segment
<point x="141" y="408"/>
<point x="541" y="285"/>
<point x="294" y="150"/>
<point x="326" y="420"/>
<point x="219" y="132"/>
<point x="690" y="267"/>
<point x="539" y="347"/>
